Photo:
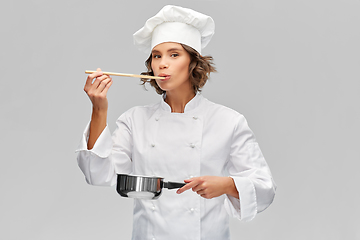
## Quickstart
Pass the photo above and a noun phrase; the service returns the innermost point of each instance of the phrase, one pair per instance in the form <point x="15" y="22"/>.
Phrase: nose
<point x="163" y="63"/>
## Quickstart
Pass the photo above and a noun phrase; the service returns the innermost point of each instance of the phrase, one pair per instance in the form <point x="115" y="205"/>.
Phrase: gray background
<point x="291" y="67"/>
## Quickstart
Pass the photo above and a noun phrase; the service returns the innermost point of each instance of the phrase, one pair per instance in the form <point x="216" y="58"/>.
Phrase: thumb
<point x="188" y="180"/>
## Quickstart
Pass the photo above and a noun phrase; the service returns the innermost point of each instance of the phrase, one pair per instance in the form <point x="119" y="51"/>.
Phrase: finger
<point x="198" y="181"/>
<point x="204" y="194"/>
<point x="189" y="180"/>
<point x="198" y="187"/>
<point x="107" y="86"/>
<point x="90" y="79"/>
<point x="201" y="192"/>
<point x="102" y="85"/>
<point x="99" y="79"/>
<point x="94" y="75"/>
<point x="187" y="187"/>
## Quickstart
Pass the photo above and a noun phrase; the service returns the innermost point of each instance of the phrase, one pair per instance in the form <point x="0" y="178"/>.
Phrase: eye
<point x="174" y="54"/>
<point x="156" y="56"/>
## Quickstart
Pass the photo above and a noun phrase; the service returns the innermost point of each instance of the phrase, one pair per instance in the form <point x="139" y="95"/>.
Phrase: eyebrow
<point x="169" y="50"/>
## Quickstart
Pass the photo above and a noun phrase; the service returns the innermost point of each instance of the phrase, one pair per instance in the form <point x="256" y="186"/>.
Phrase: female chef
<point x="184" y="137"/>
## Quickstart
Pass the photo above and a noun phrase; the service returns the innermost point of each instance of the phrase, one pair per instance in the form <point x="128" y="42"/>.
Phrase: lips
<point x="167" y="77"/>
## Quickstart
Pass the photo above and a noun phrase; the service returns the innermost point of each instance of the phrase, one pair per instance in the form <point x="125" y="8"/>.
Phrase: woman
<point x="185" y="137"/>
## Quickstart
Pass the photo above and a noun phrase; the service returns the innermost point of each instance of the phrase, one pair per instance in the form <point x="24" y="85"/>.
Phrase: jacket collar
<point x="191" y="105"/>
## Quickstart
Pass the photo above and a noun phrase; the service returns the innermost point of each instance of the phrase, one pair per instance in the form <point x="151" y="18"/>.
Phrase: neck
<point x="178" y="100"/>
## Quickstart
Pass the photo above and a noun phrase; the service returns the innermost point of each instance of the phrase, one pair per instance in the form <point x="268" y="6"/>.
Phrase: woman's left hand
<point x="210" y="186"/>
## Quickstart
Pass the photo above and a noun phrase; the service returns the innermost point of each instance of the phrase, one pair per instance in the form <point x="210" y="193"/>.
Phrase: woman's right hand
<point x="98" y="89"/>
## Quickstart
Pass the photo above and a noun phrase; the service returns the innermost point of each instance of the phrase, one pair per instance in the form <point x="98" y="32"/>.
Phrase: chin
<point x="164" y="86"/>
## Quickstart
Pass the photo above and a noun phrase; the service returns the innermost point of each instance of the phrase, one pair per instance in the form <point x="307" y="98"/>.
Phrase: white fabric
<point x="207" y="139"/>
<point x="175" y="24"/>
<point x="177" y="32"/>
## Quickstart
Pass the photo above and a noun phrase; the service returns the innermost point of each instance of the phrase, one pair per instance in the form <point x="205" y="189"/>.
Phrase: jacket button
<point x="195" y="117"/>
<point x="152" y="145"/>
<point x="156" y="119"/>
<point x="192" y="145"/>
<point x="153" y="208"/>
<point x="192" y="209"/>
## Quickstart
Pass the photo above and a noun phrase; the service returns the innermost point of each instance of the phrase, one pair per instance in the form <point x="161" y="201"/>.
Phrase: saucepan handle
<point x="173" y="185"/>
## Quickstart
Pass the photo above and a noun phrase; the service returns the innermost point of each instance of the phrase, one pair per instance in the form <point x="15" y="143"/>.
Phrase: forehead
<point x="166" y="46"/>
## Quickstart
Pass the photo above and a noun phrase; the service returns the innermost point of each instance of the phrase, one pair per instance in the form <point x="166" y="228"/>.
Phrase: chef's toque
<point x="175" y="24"/>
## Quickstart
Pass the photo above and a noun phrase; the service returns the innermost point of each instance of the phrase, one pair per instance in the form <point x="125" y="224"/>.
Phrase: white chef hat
<point x="175" y="24"/>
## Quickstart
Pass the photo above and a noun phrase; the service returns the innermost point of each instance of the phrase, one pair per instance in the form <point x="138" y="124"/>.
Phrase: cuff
<point x="244" y="208"/>
<point x="102" y="146"/>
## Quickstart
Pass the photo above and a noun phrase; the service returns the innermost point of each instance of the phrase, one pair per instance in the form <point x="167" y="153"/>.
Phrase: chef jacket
<point x="207" y="139"/>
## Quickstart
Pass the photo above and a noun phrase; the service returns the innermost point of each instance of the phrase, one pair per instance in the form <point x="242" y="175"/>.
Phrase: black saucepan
<point x="143" y="187"/>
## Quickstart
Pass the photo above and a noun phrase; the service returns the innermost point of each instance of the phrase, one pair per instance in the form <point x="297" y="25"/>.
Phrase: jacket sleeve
<point x="251" y="175"/>
<point x="110" y="155"/>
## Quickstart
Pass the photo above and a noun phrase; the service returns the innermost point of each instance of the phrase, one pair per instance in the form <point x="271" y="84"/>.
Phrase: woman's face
<point x="171" y="60"/>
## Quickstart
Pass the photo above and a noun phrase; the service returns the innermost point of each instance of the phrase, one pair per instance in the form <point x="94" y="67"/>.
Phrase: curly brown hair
<point x="200" y="68"/>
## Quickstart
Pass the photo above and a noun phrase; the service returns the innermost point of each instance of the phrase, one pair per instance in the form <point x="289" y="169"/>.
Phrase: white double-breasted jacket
<point x="207" y="139"/>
